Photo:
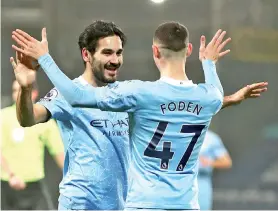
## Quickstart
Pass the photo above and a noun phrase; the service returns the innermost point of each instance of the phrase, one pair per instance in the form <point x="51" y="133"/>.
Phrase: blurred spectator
<point x="213" y="155"/>
<point x="22" y="158"/>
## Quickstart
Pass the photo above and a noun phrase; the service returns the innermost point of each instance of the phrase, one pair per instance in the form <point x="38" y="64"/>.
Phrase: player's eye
<point x="119" y="53"/>
<point x="107" y="52"/>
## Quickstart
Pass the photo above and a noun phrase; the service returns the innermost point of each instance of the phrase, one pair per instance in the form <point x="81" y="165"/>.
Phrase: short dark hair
<point x="172" y="36"/>
<point x="99" y="29"/>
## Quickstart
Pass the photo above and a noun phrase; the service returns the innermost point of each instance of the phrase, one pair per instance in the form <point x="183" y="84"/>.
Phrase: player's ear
<point x="189" y="49"/>
<point x="85" y="55"/>
<point x="156" y="52"/>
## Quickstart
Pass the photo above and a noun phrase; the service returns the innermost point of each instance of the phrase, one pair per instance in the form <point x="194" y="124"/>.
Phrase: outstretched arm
<point x="121" y="98"/>
<point x="250" y="91"/>
<point x="70" y="91"/>
<point x="213" y="51"/>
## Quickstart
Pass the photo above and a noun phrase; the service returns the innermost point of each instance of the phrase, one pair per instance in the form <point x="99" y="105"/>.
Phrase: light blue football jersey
<point x="96" y="153"/>
<point x="168" y="120"/>
<point x="212" y="149"/>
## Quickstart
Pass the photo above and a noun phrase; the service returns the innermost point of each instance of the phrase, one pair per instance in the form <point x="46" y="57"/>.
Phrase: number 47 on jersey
<point x="166" y="154"/>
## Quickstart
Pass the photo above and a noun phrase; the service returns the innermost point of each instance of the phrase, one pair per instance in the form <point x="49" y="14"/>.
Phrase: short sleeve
<point x="55" y="103"/>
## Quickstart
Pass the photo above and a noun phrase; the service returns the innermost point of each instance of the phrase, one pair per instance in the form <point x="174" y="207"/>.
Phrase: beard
<point x="98" y="70"/>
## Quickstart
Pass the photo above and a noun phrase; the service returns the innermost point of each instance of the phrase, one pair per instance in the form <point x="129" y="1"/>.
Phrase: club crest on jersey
<point x="53" y="93"/>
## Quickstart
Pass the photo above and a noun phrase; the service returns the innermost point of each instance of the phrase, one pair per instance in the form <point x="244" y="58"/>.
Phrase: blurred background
<point x="249" y="131"/>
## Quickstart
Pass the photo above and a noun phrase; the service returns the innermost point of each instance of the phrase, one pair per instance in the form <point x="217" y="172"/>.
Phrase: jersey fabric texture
<point x="168" y="121"/>
<point x="96" y="153"/>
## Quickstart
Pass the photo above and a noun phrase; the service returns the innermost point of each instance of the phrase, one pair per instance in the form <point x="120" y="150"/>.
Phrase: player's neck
<point x="90" y="78"/>
<point x="174" y="70"/>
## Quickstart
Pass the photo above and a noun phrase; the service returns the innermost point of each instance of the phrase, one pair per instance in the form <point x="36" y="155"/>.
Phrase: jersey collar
<point x="176" y="82"/>
<point x="82" y="80"/>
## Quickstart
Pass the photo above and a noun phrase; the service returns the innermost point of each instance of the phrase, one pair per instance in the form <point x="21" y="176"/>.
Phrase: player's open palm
<point x="213" y="50"/>
<point x="29" y="45"/>
<point x="250" y="91"/>
<point x="24" y="71"/>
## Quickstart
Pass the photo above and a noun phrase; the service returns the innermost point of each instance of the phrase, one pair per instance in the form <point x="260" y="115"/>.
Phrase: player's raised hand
<point x="24" y="69"/>
<point x="29" y="45"/>
<point x="250" y="91"/>
<point x="213" y="50"/>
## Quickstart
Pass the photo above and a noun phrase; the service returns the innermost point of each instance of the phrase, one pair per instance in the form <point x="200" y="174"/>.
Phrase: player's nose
<point x="114" y="59"/>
